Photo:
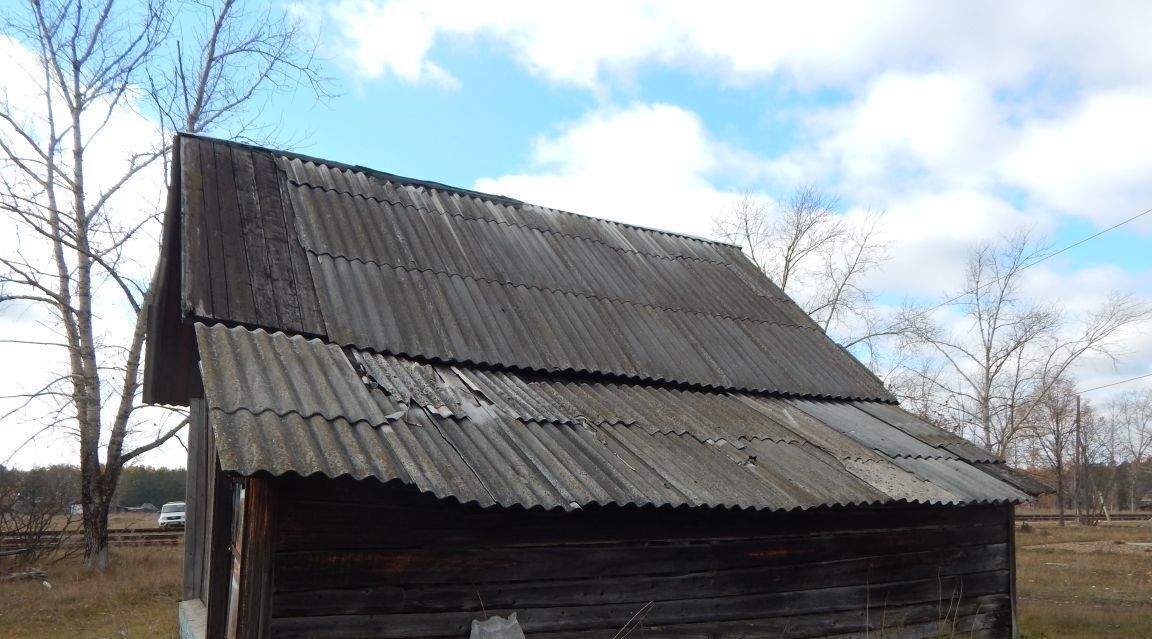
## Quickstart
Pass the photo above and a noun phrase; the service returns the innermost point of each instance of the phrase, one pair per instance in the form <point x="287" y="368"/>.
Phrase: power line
<point x="1090" y="237"/>
<point x="1050" y="256"/>
<point x="1123" y="381"/>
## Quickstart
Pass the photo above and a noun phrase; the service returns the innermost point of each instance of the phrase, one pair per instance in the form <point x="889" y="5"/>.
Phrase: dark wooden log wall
<point x="208" y="517"/>
<point x="360" y="559"/>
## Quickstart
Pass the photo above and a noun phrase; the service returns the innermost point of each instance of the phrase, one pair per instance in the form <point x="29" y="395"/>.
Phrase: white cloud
<point x="1093" y="161"/>
<point x="390" y="38"/>
<point x="648" y="164"/>
<point x="932" y="232"/>
<point x="907" y="131"/>
<point x="812" y="43"/>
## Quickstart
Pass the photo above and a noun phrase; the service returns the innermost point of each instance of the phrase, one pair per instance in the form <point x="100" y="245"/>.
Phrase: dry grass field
<point x="1085" y="581"/>
<point x="1073" y="582"/>
<point x="135" y="598"/>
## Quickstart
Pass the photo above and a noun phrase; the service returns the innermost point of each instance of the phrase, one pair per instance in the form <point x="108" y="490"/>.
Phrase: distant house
<point x="1145" y="502"/>
<point x="414" y="406"/>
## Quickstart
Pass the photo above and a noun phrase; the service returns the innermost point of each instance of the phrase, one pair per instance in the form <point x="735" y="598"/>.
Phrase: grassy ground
<point x="135" y="598"/>
<point x="115" y="520"/>
<point x="1085" y="581"/>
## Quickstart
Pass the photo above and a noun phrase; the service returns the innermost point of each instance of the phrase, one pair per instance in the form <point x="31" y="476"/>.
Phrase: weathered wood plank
<point x="437" y="564"/>
<point x="978" y="617"/>
<point x="255" y="244"/>
<point x="920" y="597"/>
<point x="384" y="560"/>
<point x="195" y="491"/>
<point x="217" y="573"/>
<point x="1010" y="533"/>
<point x="396" y="598"/>
<point x="196" y="283"/>
<point x="254" y="602"/>
<point x="311" y="318"/>
<point x="213" y="233"/>
<point x="241" y="307"/>
<point x="348" y="514"/>
<point x="276" y="241"/>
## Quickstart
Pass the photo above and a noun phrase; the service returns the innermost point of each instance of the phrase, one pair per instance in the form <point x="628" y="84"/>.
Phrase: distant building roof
<point x="351" y="322"/>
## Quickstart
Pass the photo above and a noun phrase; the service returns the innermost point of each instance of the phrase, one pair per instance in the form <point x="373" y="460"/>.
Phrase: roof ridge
<point x="439" y="186"/>
<point x="546" y="289"/>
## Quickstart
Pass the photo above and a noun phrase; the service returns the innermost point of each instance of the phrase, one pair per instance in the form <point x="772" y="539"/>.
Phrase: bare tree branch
<point x="96" y="62"/>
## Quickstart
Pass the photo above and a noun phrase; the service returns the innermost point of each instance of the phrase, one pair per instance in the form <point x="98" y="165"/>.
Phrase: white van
<point x="171" y="514"/>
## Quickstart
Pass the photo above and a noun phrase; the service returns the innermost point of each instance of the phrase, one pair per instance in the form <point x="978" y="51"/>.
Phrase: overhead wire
<point x="1049" y="256"/>
<point x="1123" y="381"/>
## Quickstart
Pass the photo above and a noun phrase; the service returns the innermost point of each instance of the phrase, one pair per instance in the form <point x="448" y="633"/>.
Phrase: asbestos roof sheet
<point x="441" y="316"/>
<point x="873" y="433"/>
<point x="373" y="261"/>
<point x="281" y="404"/>
<point x="925" y="432"/>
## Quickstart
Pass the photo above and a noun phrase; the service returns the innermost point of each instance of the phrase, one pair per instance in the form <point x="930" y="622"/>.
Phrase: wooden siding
<point x="242" y="260"/>
<point x="196" y="498"/>
<point x="358" y="559"/>
<point x="250" y="604"/>
<point x="208" y="517"/>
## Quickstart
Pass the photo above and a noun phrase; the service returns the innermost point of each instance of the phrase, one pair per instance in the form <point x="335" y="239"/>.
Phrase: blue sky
<point x="962" y="120"/>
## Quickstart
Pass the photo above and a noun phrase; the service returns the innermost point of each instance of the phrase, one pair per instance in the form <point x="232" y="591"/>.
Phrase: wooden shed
<point x="415" y="406"/>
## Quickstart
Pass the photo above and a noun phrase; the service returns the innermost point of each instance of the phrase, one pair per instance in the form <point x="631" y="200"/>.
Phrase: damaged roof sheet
<point x="519" y="439"/>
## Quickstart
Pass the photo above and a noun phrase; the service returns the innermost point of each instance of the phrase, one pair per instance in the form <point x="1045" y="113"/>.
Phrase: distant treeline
<point x="60" y="485"/>
<point x="148" y="485"/>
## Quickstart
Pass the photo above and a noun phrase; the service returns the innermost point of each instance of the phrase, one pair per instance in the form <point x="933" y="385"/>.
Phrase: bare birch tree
<point x="1050" y="427"/>
<point x="1001" y="352"/>
<point x="816" y="255"/>
<point x="198" y="66"/>
<point x="1129" y="417"/>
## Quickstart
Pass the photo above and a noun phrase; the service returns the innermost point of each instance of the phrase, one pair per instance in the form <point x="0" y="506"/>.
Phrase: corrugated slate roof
<point x="496" y="437"/>
<point x="376" y="262"/>
<point x="351" y="322"/>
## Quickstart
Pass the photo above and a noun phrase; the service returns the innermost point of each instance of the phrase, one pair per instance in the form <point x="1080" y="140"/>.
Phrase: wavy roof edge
<point x="651" y="505"/>
<point x="641" y="506"/>
<point x="439" y="186"/>
<point x="587" y="374"/>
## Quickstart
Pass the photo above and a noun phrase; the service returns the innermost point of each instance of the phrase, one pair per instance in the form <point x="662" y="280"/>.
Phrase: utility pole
<point x="1081" y="492"/>
<point x="1077" y="462"/>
